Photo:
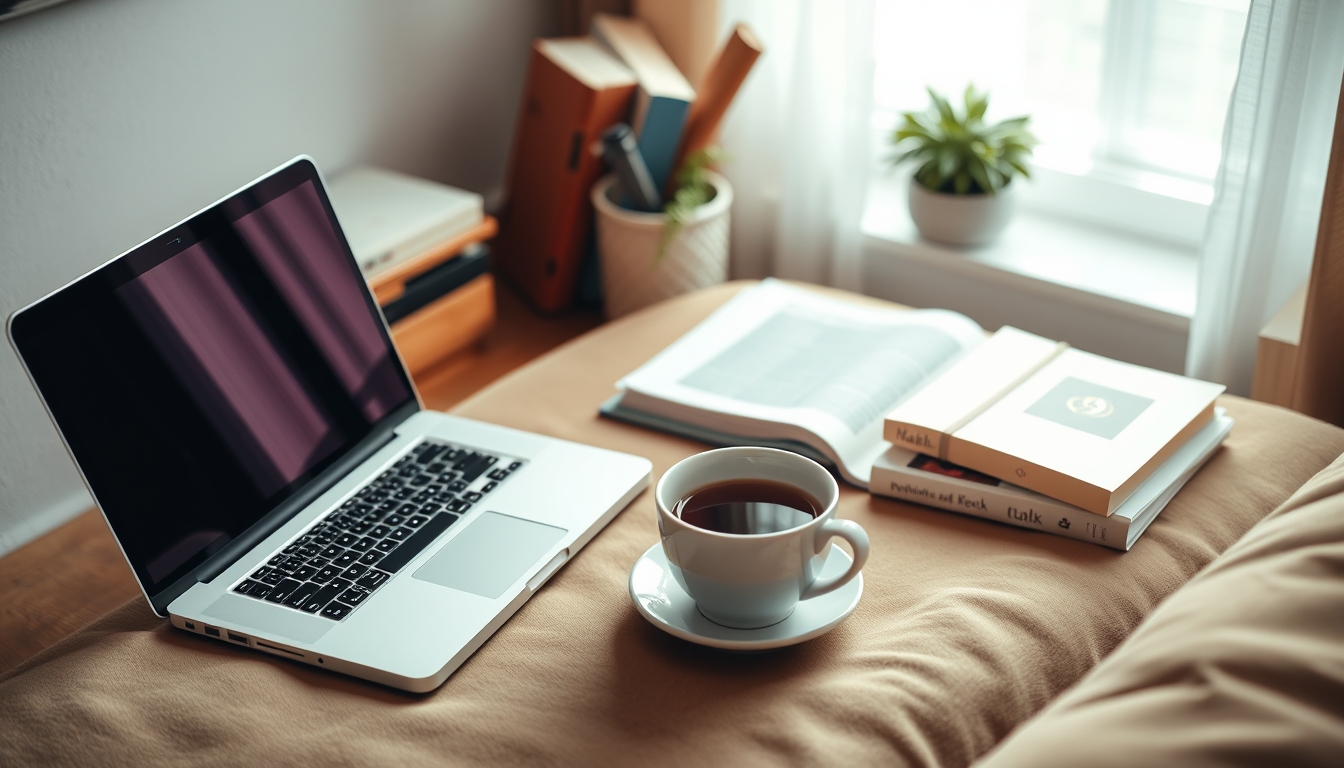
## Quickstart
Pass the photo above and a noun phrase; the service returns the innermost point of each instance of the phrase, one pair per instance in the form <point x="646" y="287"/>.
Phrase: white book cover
<point x="390" y="217"/>
<point x="910" y="476"/>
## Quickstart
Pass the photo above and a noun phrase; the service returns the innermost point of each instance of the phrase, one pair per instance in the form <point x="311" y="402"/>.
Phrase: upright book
<point x="575" y="90"/>
<point x="664" y="96"/>
<point x="1072" y="425"/>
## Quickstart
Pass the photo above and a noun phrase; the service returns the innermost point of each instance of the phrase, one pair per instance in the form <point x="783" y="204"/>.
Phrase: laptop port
<point x="211" y="631"/>
<point x="237" y="638"/>
<point x="278" y="649"/>
<point x="189" y="625"/>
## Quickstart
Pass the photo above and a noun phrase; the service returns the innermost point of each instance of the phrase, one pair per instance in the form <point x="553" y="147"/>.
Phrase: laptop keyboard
<point x="333" y="567"/>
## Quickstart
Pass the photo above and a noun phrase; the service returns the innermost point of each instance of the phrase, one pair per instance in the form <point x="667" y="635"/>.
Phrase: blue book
<point x="664" y="96"/>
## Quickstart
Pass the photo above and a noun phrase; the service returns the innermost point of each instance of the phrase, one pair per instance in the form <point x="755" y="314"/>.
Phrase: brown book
<point x="448" y="325"/>
<point x="715" y="93"/>
<point x="574" y="91"/>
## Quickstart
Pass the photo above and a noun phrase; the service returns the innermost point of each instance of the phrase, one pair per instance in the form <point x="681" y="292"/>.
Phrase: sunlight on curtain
<point x="1267" y="201"/>
<point x="797" y="140"/>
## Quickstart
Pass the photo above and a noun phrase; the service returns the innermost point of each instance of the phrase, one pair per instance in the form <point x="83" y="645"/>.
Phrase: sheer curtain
<point x="1276" y="143"/>
<point x="798" y="140"/>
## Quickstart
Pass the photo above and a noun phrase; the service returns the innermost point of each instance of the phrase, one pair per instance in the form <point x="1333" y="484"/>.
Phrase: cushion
<point x="1244" y="665"/>
<point x="965" y="630"/>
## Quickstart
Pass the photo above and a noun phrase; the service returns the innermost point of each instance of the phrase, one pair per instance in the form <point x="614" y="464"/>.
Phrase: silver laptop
<point x="231" y="395"/>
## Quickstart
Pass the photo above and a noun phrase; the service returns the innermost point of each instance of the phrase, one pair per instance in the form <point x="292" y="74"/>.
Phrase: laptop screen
<point x="203" y="378"/>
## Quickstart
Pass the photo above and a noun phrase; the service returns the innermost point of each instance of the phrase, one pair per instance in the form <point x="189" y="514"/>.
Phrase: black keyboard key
<point x="422" y="497"/>
<point x="394" y="520"/>
<point x="436" y="468"/>
<point x="326" y="574"/>
<point x="417" y="521"/>
<point x="275" y="561"/>
<point x="260" y="591"/>
<point x="515" y="465"/>
<point x="456" y="486"/>
<point x="430" y="454"/>
<point x="420" y="480"/>
<point x="305" y="573"/>
<point x="319" y="600"/>
<point x="386" y="545"/>
<point x="346" y="560"/>
<point x="262" y="573"/>
<point x="389" y="506"/>
<point x="283" y="590"/>
<point x="246" y="587"/>
<point x="273" y="578"/>
<point x="300" y="594"/>
<point x="403" y="494"/>
<point x="292" y="564"/>
<point x="379" y="531"/>
<point x="472" y="496"/>
<point x="354" y="595"/>
<point x="488" y="487"/>
<point x="334" y="611"/>
<point x="325" y="537"/>
<point x="354" y="572"/>
<point x="360" y="528"/>
<point x="346" y="540"/>
<point x="458" y="505"/>
<point x="443" y="498"/>
<point x="291" y="549"/>
<point x="319" y="562"/>
<point x="430" y="509"/>
<point x="373" y="580"/>
<point x="371" y="558"/>
<point x="363" y="544"/>
<point x="453" y="455"/>
<point x="498" y="474"/>
<point x="341" y="584"/>
<point x="417" y="542"/>
<point x="334" y="550"/>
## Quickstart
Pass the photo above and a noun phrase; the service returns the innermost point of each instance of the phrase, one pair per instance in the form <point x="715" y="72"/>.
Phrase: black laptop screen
<point x="206" y="376"/>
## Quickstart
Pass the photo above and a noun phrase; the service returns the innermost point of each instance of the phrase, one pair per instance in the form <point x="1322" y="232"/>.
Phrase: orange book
<point x="574" y="91"/>
<point x="715" y="93"/>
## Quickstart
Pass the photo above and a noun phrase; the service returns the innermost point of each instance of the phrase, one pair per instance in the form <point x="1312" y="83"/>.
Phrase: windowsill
<point x="1119" y="294"/>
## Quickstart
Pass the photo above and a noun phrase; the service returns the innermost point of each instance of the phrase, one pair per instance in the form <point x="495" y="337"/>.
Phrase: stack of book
<point x="422" y="249"/>
<point x="920" y="405"/>
<point x="576" y="89"/>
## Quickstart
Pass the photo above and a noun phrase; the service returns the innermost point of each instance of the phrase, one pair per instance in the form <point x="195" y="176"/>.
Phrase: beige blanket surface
<point x="1243" y="666"/>
<point x="965" y="630"/>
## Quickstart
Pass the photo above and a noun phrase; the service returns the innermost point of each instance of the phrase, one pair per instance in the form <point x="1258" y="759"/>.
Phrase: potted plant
<point x="961" y="191"/>
<point x="647" y="256"/>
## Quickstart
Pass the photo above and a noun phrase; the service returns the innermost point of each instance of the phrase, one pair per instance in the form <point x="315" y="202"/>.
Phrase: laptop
<point x="232" y="397"/>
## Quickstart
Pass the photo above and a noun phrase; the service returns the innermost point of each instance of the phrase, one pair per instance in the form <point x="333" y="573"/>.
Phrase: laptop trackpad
<point x="490" y="555"/>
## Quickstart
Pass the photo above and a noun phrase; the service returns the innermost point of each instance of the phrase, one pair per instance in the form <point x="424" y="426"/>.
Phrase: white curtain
<point x="1276" y="143"/>
<point x="797" y="139"/>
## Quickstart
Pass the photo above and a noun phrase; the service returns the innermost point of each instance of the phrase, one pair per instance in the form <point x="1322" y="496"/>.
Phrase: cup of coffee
<point x="747" y="530"/>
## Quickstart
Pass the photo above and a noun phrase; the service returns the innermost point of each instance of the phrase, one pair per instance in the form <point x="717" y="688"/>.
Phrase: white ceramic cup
<point x="751" y="581"/>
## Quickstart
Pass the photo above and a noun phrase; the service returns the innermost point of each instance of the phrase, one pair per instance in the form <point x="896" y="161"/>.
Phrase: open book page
<point x="786" y="363"/>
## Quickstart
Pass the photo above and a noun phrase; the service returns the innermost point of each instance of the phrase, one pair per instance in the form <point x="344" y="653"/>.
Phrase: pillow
<point x="1244" y="665"/>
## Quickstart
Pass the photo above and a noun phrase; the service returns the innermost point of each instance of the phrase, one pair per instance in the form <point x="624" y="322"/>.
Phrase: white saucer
<point x="666" y="605"/>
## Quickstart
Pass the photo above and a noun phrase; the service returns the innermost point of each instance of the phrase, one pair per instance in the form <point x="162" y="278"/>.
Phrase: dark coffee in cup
<point x="748" y="507"/>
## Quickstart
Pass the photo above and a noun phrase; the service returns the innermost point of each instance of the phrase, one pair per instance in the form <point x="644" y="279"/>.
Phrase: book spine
<point x="716" y="91"/>
<point x="912" y="437"/>
<point x="659" y="135"/>
<point x="1000" y="505"/>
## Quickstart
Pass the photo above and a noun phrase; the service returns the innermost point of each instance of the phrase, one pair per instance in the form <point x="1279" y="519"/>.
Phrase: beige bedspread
<point x="965" y="630"/>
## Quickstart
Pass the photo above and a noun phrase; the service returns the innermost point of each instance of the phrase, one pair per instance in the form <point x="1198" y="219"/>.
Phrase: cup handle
<point x="858" y="539"/>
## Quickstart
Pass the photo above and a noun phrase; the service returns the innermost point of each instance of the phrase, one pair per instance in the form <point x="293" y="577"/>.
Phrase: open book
<point x="787" y="367"/>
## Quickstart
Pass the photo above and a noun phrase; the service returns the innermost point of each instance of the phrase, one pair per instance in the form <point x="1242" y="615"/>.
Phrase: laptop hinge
<point x="272" y="521"/>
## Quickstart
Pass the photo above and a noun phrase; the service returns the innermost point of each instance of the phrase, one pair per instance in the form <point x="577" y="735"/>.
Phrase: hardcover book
<point x="903" y="474"/>
<point x="664" y="96"/>
<point x="1072" y="425"/>
<point x="575" y="90"/>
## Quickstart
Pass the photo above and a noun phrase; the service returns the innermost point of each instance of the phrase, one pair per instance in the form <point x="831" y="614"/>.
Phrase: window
<point x="1128" y="97"/>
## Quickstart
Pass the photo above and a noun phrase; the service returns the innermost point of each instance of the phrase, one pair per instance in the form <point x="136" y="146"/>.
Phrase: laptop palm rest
<point x="490" y="555"/>
<point x="265" y="618"/>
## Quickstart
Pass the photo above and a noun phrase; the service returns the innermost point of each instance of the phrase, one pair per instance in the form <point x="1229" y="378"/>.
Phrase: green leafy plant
<point x="692" y="191"/>
<point x="958" y="152"/>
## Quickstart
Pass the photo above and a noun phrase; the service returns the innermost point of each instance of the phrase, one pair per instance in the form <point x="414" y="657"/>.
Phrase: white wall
<point x="120" y="117"/>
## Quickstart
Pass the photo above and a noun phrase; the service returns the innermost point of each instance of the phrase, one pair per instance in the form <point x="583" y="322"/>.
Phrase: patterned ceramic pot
<point x="633" y="276"/>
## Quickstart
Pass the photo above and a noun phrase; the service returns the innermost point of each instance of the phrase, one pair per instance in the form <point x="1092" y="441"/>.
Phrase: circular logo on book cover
<point x="1091" y="405"/>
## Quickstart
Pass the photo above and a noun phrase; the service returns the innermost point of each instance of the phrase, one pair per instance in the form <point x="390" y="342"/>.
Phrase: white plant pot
<point x="961" y="219"/>
<point x="633" y="276"/>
